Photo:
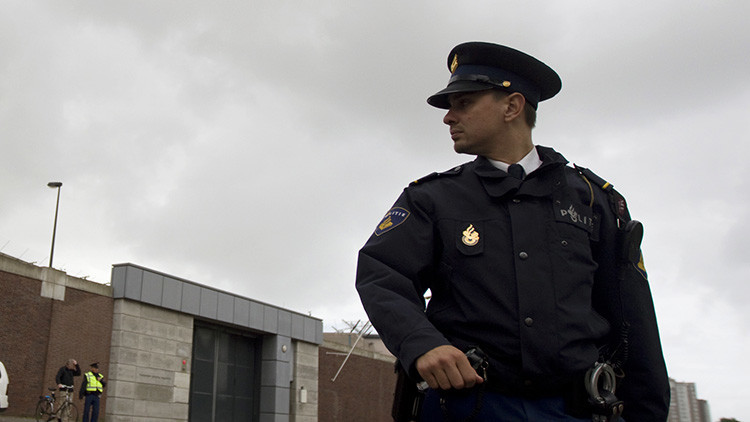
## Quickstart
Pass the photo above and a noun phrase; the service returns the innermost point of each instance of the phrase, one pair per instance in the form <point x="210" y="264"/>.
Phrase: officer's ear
<point x="515" y="105"/>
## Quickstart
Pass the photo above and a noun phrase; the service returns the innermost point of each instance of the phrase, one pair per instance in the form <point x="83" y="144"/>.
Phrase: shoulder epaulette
<point x="435" y="175"/>
<point x="616" y="200"/>
<point x="591" y="176"/>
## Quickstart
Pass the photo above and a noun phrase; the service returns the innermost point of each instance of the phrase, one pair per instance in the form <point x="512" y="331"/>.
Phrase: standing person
<point x="532" y="263"/>
<point x="92" y="388"/>
<point x="65" y="379"/>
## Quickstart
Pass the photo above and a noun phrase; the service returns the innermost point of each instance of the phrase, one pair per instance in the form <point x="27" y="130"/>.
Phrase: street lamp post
<point x="54" y="228"/>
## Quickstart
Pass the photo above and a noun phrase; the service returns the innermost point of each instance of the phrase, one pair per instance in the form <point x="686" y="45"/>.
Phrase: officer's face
<point x="476" y="122"/>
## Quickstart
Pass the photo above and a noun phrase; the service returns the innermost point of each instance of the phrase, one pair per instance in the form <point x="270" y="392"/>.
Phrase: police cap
<point x="478" y="66"/>
<point x="95" y="365"/>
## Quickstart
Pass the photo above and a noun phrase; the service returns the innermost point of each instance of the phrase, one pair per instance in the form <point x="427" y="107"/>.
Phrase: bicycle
<point x="45" y="407"/>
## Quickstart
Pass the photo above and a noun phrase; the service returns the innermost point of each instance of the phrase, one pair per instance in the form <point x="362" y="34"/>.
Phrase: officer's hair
<point x="529" y="112"/>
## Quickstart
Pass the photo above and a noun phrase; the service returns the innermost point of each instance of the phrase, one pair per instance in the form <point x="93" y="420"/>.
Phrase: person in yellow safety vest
<point x="92" y="388"/>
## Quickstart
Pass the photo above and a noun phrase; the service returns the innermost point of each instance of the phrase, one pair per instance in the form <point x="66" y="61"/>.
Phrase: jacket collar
<point x="541" y="182"/>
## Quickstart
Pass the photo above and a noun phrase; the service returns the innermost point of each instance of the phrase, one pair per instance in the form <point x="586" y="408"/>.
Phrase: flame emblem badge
<point x="470" y="236"/>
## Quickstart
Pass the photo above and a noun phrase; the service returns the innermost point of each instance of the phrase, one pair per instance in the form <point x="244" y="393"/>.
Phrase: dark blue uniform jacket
<point x="526" y="270"/>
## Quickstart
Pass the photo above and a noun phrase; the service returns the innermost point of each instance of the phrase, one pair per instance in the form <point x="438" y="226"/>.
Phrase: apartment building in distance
<point x="685" y="405"/>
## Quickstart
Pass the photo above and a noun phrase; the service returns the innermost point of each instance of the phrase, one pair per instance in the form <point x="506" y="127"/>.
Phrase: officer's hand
<point x="59" y="386"/>
<point x="446" y="367"/>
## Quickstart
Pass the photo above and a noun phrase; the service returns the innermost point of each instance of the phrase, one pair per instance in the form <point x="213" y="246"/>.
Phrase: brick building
<point x="363" y="388"/>
<point x="170" y="349"/>
<point x="42" y="318"/>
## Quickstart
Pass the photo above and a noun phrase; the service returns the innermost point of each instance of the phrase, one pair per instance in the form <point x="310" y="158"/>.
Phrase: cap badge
<point x="454" y="63"/>
<point x="470" y="236"/>
<point x="506" y="83"/>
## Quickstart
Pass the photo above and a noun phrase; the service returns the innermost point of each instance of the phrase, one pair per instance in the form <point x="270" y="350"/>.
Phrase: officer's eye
<point x="460" y="103"/>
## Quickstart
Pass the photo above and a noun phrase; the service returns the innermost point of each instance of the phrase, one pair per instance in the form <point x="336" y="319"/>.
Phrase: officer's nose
<point x="449" y="118"/>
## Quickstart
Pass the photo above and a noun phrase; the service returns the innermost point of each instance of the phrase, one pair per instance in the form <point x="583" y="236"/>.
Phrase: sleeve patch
<point x="392" y="219"/>
<point x="641" y="267"/>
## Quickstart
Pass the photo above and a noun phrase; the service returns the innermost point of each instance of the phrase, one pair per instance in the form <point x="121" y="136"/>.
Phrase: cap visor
<point x="440" y="99"/>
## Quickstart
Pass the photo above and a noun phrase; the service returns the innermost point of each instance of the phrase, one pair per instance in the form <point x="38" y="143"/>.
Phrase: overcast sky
<point x="254" y="146"/>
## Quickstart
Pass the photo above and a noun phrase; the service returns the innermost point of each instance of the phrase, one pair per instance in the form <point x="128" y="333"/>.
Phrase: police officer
<point x="522" y="255"/>
<point x="92" y="388"/>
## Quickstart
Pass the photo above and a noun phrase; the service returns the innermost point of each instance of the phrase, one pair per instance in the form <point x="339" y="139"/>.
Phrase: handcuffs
<point x="600" y="386"/>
